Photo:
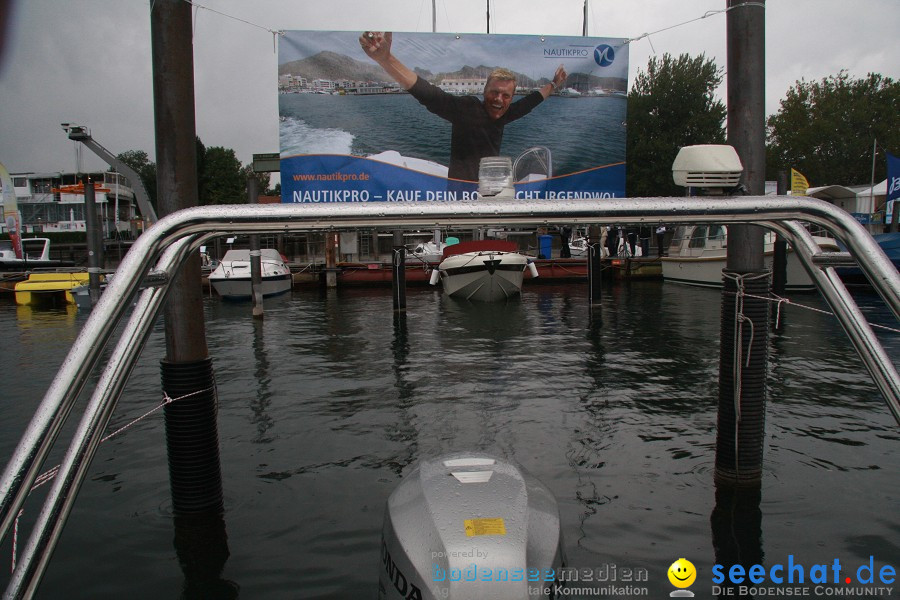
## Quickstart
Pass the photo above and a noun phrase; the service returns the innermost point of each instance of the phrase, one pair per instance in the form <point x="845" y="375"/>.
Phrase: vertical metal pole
<point x="331" y="270"/>
<point x="779" y="260"/>
<point x="746" y="121"/>
<point x="187" y="376"/>
<point x="872" y="178"/>
<point x="584" y="24"/>
<point x="398" y="266"/>
<point x="595" y="267"/>
<point x="256" y="293"/>
<point x="744" y="327"/>
<point x="93" y="238"/>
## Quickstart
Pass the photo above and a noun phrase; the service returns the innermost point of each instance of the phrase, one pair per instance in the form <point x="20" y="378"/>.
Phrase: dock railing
<point x="142" y="281"/>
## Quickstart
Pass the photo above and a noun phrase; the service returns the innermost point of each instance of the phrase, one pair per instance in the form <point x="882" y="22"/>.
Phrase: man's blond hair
<point x="500" y="74"/>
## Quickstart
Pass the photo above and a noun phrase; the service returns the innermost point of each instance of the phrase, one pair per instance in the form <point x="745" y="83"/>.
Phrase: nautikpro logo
<point x="604" y="55"/>
<point x="682" y="574"/>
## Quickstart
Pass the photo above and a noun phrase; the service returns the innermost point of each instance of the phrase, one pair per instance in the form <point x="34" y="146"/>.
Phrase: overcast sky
<point x="88" y="61"/>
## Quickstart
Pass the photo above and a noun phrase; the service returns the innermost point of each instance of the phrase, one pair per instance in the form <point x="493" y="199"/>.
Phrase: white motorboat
<point x="431" y="252"/>
<point x="36" y="254"/>
<point x="579" y="247"/>
<point x="698" y="253"/>
<point x="231" y="278"/>
<point x="486" y="270"/>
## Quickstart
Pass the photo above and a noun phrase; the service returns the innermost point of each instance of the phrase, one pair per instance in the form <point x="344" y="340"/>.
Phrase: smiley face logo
<point x="682" y="573"/>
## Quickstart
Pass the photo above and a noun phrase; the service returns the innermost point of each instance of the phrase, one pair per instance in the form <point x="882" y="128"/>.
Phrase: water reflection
<point x="736" y="523"/>
<point x="263" y="398"/>
<point x="201" y="544"/>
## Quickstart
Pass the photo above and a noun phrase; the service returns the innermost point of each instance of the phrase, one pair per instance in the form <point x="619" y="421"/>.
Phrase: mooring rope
<point x="49" y="474"/>
<point x="738" y="339"/>
<point x="781" y="301"/>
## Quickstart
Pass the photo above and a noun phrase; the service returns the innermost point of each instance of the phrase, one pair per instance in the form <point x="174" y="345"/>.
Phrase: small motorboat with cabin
<point x="35" y="255"/>
<point x="698" y="253"/>
<point x="432" y="252"/>
<point x="231" y="278"/>
<point x="485" y="270"/>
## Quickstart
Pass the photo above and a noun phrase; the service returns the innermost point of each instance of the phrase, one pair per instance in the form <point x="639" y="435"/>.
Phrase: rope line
<point x="738" y="340"/>
<point x="49" y="474"/>
<point x="276" y="32"/>
<point x="781" y="301"/>
<point x="708" y="13"/>
<point x="218" y="12"/>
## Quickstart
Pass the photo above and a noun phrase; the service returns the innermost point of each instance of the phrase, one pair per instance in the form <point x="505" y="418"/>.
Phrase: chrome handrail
<point x="169" y="242"/>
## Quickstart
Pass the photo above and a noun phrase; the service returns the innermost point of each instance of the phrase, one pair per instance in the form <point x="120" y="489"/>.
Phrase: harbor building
<point x="54" y="202"/>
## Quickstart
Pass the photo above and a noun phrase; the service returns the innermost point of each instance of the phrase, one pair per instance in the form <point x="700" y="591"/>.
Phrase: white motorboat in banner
<point x="486" y="270"/>
<point x="231" y="278"/>
<point x="698" y="254"/>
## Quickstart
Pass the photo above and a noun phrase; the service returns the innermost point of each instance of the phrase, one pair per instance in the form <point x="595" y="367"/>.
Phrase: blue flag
<point x="893" y="185"/>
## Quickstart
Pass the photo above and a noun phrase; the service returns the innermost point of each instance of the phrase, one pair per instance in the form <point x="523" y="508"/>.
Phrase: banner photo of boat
<point x="370" y="116"/>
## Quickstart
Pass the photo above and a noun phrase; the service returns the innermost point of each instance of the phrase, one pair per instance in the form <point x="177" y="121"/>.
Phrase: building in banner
<point x="462" y="87"/>
<point x="54" y="202"/>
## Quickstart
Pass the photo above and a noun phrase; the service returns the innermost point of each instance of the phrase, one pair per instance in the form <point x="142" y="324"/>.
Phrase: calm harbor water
<point x="326" y="403"/>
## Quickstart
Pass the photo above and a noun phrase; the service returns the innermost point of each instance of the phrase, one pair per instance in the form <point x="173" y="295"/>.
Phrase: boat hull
<point x="486" y="276"/>
<point x="707" y="271"/>
<point x="231" y="278"/>
<point x="697" y="260"/>
<point x="889" y="244"/>
<point x="49" y="288"/>
<point x="239" y="288"/>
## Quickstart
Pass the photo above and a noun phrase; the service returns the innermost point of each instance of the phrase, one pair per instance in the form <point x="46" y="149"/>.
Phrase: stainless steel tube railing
<point x="168" y="243"/>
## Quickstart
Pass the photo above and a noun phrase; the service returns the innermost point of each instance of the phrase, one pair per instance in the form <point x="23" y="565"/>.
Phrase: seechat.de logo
<point x="604" y="55"/>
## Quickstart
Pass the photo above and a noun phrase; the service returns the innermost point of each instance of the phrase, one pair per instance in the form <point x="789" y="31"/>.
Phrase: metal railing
<point x="146" y="271"/>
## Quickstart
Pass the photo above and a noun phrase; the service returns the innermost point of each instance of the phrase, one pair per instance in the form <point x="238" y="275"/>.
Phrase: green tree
<point x="140" y="162"/>
<point x="221" y="177"/>
<point x="826" y="129"/>
<point x="670" y="105"/>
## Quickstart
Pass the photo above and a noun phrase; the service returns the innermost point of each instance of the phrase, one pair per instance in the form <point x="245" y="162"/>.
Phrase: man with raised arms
<point x="476" y="125"/>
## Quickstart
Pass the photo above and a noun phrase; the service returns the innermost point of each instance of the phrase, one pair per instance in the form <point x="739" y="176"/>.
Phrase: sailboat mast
<point x="584" y="27"/>
<point x="433" y="17"/>
<point x="872" y="183"/>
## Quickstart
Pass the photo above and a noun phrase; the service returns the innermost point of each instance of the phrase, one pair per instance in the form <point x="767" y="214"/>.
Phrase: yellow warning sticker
<point x="485" y="527"/>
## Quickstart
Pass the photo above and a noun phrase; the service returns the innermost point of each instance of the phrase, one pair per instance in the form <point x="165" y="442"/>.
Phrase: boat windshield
<point x="698" y="237"/>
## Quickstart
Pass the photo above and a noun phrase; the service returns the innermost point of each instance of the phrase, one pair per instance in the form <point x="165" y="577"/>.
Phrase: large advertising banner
<point x="351" y="132"/>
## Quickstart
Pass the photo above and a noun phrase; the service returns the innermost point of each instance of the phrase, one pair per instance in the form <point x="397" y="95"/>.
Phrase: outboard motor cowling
<point x="470" y="526"/>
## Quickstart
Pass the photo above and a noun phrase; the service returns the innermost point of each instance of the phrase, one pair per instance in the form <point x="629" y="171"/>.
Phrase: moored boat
<point x="485" y="270"/>
<point x="889" y="243"/>
<point x="231" y="278"/>
<point x="49" y="288"/>
<point x="698" y="253"/>
<point x="35" y="255"/>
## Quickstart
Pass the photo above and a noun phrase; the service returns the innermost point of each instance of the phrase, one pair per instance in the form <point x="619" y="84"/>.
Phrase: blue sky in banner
<point x="344" y="147"/>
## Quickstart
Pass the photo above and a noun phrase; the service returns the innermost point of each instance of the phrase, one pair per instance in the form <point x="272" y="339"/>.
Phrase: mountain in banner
<point x="332" y="66"/>
<point x="340" y="67"/>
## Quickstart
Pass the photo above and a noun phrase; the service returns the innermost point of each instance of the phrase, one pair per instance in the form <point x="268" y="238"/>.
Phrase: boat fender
<point x="532" y="268"/>
<point x="435" y="276"/>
